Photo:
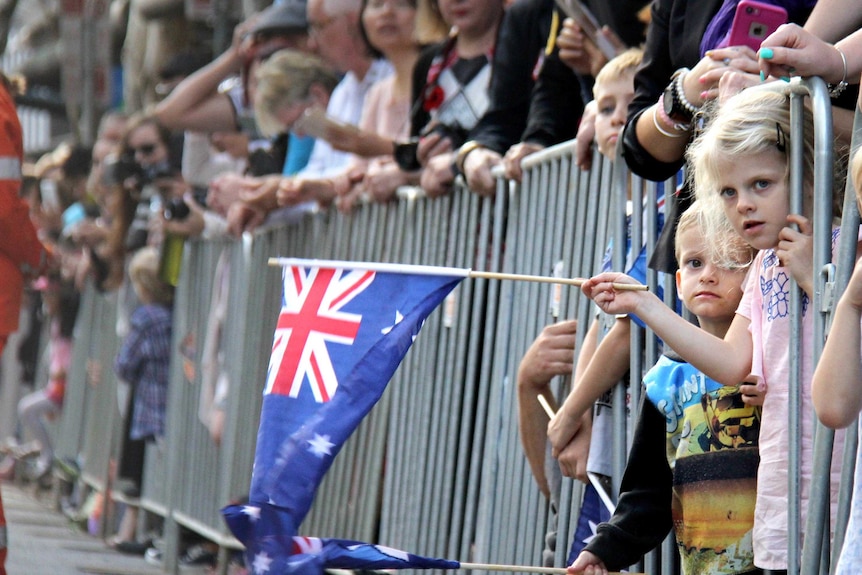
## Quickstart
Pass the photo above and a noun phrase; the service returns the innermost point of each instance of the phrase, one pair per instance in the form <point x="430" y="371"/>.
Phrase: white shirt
<point x="345" y="104"/>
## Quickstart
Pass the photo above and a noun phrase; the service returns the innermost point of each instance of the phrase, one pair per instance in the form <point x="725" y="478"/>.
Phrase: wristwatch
<point x="676" y="106"/>
<point x="405" y="155"/>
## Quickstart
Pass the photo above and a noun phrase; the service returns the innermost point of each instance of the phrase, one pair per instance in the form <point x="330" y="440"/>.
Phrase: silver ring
<point x="726" y="61"/>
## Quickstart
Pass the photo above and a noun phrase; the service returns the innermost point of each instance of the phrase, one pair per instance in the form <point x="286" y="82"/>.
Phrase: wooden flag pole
<point x="546" y="406"/>
<point x="525" y="569"/>
<point x="577" y="282"/>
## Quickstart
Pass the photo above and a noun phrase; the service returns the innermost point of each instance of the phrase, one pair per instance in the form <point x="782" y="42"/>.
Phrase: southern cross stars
<point x="252" y="511"/>
<point x="320" y="445"/>
<point x="262" y="561"/>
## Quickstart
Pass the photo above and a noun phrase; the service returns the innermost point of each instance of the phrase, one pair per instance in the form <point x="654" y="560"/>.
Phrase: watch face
<point x="405" y="156"/>
<point x="668" y="100"/>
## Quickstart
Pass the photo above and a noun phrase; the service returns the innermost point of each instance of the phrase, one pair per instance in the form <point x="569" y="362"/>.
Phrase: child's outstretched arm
<point x="596" y="374"/>
<point x="837" y="382"/>
<point x="728" y="360"/>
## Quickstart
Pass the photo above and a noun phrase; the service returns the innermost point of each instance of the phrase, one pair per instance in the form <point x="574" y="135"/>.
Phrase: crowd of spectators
<point x="339" y="102"/>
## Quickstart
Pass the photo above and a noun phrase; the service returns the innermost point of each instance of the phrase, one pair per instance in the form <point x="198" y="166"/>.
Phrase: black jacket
<point x="643" y="514"/>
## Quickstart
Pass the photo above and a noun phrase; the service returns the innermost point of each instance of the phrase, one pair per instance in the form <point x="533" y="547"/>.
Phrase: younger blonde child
<point x="695" y="445"/>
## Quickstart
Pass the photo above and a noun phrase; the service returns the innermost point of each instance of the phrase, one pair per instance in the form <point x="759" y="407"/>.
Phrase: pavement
<point x="44" y="542"/>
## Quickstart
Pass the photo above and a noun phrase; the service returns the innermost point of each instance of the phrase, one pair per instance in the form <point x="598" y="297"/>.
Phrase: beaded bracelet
<point x="680" y="92"/>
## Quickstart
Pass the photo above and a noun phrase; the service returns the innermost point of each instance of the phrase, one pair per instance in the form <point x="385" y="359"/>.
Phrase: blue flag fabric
<point x="593" y="512"/>
<point x="340" y="336"/>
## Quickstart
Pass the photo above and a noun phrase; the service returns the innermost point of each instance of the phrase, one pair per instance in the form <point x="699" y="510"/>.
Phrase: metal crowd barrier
<point x="437" y="467"/>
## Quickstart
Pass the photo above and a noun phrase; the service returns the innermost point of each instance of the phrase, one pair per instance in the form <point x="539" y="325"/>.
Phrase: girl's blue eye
<point x="727" y="192"/>
<point x="761" y="184"/>
<point x="606" y="111"/>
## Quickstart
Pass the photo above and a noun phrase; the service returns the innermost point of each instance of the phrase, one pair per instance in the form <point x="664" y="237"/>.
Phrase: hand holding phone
<point x="753" y="22"/>
<point x="315" y="123"/>
<point x="591" y="28"/>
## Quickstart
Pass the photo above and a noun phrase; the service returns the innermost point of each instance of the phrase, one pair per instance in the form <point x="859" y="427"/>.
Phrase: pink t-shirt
<point x="766" y="304"/>
<point x="384" y="115"/>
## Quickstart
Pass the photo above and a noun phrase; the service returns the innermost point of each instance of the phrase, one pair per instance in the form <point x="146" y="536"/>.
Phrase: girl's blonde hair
<point x="284" y="79"/>
<point x="738" y="253"/>
<point x="750" y="123"/>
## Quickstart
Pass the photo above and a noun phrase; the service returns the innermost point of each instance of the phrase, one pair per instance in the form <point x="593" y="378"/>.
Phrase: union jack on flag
<point x="311" y="316"/>
<point x="343" y="329"/>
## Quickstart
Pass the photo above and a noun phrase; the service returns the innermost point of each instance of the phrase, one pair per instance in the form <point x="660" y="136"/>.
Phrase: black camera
<point x="118" y="169"/>
<point x="176" y="210"/>
<point x="405" y="153"/>
<point x="157" y="171"/>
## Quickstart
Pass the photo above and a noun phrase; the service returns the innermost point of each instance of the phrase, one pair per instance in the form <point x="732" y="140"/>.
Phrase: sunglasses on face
<point x="143" y="149"/>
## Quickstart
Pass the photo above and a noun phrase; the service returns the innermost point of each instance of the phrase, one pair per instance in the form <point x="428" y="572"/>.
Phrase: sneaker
<point x="39" y="469"/>
<point x="198" y="558"/>
<point x="131" y="547"/>
<point x="153" y="556"/>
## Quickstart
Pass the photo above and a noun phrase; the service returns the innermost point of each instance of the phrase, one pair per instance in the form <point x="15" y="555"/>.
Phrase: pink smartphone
<point x="753" y="22"/>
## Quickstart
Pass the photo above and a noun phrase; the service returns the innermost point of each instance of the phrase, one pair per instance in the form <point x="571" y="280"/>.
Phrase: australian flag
<point x="343" y="329"/>
<point x="593" y="512"/>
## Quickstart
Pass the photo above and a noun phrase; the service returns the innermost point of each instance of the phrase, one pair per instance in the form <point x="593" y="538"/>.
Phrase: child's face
<point x="613" y="99"/>
<point x="756" y="199"/>
<point x="708" y="291"/>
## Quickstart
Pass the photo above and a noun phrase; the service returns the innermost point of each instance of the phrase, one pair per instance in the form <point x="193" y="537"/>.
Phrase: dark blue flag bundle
<point x="343" y="329"/>
<point x="594" y="510"/>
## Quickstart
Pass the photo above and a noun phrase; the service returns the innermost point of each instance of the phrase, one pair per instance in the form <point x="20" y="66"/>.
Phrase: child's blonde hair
<point x="750" y="123"/>
<point x="738" y="253"/>
<point x="627" y="62"/>
<point x="144" y="275"/>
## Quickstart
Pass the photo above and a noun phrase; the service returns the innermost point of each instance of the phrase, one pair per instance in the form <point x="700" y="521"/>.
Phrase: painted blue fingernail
<point x="766" y="53"/>
<point x="762" y="76"/>
<point x="785" y="78"/>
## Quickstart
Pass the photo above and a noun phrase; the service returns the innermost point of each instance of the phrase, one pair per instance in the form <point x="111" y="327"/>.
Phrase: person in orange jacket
<point x="21" y="252"/>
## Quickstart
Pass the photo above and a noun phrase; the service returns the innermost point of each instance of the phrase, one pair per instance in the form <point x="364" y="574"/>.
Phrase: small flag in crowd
<point x="593" y="512"/>
<point x="343" y="329"/>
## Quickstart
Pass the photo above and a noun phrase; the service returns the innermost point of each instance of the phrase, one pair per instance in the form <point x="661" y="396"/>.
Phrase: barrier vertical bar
<point x="815" y="550"/>
<point x="794" y="387"/>
<point x="846" y="260"/>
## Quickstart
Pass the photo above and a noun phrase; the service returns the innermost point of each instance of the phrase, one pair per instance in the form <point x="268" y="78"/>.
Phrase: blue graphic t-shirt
<point x="712" y="450"/>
